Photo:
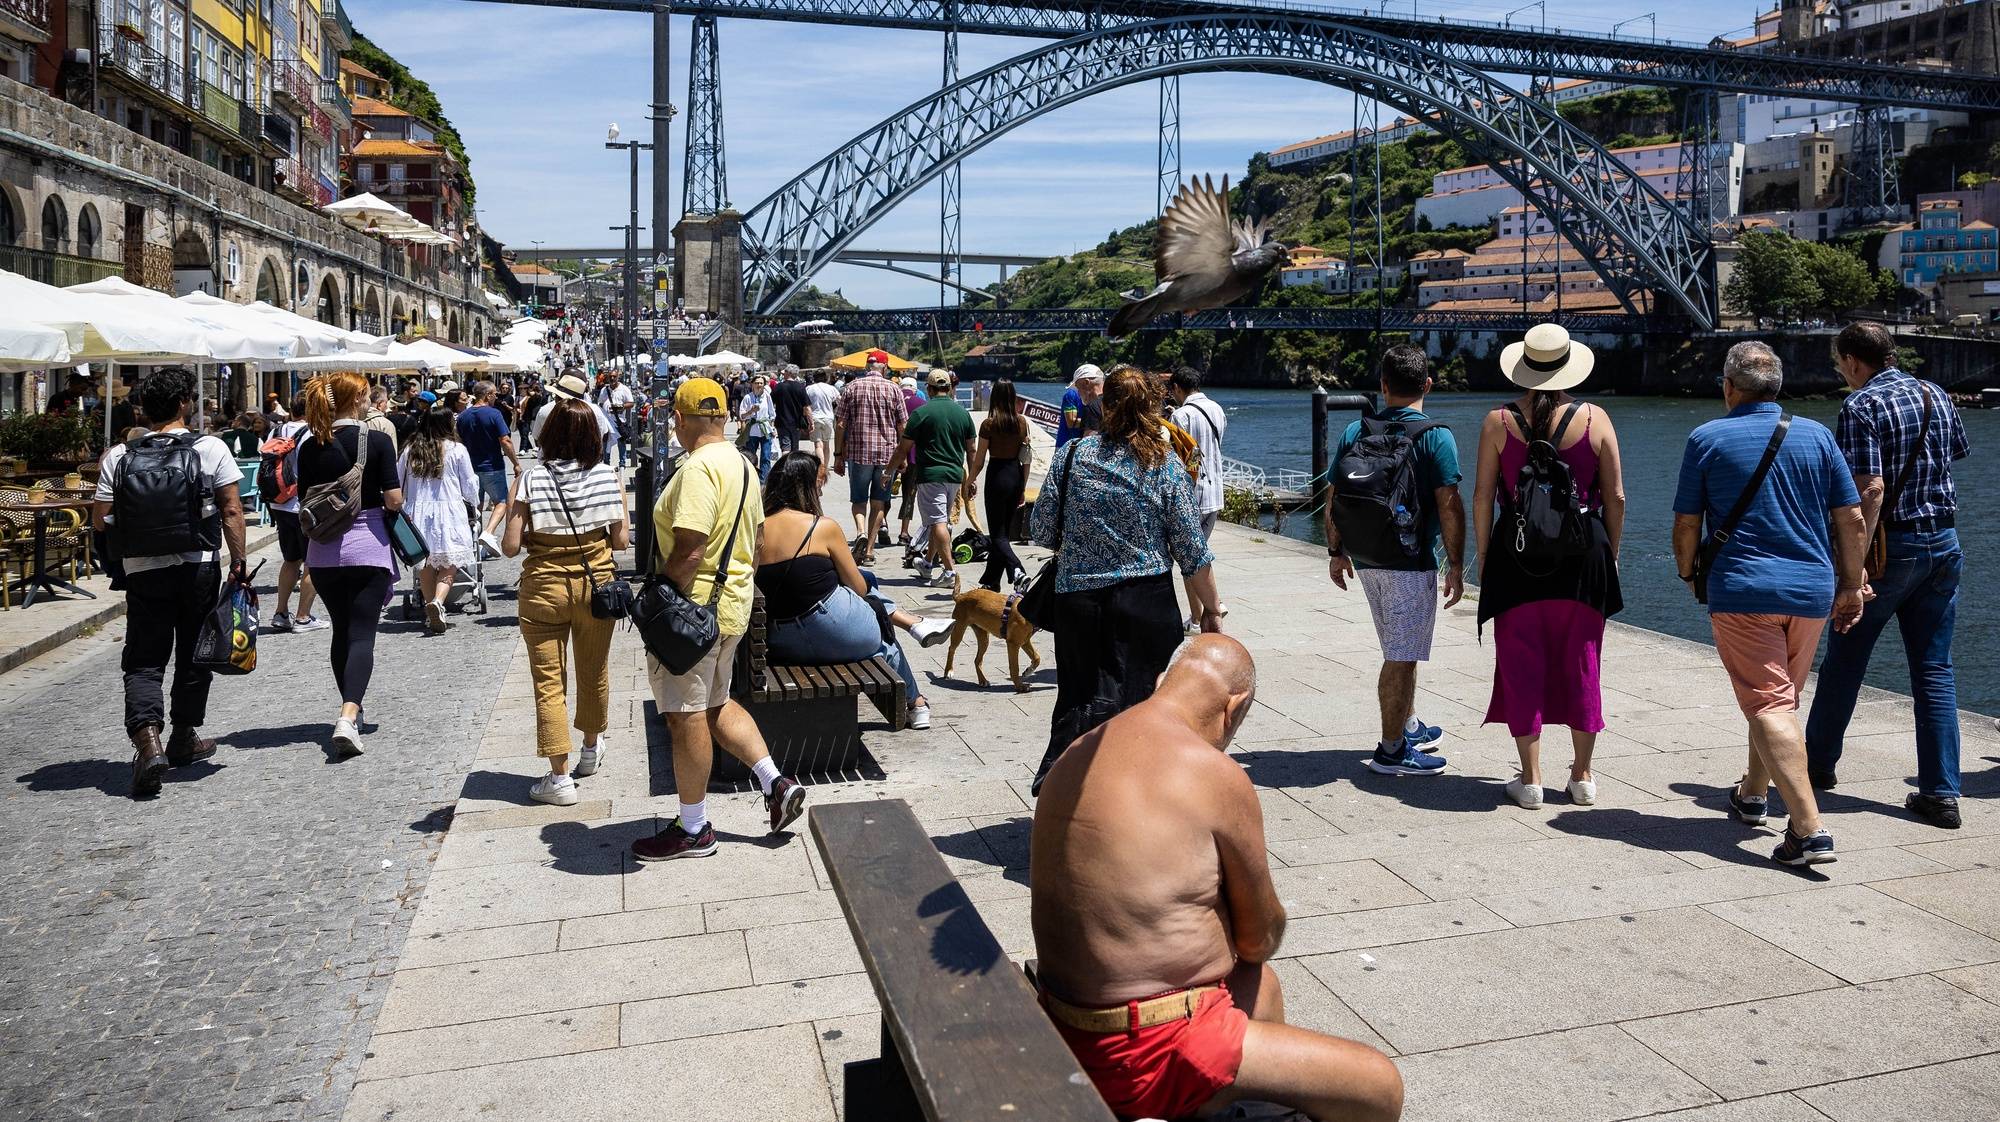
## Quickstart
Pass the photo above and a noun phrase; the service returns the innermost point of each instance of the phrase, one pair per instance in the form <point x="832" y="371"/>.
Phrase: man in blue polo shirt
<point x="1773" y="584"/>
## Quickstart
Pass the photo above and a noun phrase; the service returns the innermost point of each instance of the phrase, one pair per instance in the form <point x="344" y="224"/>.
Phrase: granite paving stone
<point x="1858" y="934"/>
<point x="1784" y="1043"/>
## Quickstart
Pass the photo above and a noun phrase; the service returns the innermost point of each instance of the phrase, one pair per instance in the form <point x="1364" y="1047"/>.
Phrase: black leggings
<point x="1005" y="484"/>
<point x="1111" y="646"/>
<point x="354" y="596"/>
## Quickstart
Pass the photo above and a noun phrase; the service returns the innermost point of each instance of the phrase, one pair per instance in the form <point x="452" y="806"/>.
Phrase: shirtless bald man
<point x="1155" y="916"/>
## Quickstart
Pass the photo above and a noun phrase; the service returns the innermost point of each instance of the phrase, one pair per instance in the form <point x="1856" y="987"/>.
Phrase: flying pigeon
<point x="1202" y="259"/>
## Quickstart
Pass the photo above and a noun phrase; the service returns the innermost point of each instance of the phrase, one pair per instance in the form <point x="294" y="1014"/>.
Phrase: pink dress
<point x="1548" y="628"/>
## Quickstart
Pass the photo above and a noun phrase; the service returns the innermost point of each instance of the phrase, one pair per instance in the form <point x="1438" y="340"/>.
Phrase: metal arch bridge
<point x="781" y="328"/>
<point x="1493" y="47"/>
<point x="1619" y="222"/>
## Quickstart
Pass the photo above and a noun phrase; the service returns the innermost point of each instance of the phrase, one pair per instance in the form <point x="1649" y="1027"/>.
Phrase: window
<point x="55" y="225"/>
<point x="89" y="232"/>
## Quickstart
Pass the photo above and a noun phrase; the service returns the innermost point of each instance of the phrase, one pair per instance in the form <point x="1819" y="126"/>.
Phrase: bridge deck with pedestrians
<point x="405" y="935"/>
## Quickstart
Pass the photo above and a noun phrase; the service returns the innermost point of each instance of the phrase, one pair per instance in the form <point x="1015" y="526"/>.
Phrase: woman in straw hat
<point x="1548" y="612"/>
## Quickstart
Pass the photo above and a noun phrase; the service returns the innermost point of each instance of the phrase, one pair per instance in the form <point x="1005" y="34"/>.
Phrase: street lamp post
<point x="537" y="301"/>
<point x="631" y="287"/>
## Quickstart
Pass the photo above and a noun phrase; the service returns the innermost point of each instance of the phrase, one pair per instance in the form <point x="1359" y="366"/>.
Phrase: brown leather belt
<point x="1131" y="1016"/>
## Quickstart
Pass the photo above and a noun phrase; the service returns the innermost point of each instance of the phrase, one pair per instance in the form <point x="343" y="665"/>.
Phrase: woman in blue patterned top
<point x="1130" y="520"/>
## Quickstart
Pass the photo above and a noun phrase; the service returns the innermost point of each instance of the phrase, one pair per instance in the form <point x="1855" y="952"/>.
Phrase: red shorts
<point x="1168" y="1070"/>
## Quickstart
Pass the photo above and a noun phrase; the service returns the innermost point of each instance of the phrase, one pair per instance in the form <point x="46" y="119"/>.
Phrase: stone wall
<point x="157" y="208"/>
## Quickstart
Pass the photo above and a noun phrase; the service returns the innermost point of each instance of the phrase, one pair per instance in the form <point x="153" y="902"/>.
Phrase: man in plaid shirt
<point x="1886" y="439"/>
<point x="869" y="423"/>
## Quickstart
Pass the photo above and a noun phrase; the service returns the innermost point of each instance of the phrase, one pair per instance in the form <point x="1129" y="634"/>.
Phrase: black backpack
<point x="1378" y="505"/>
<point x="160" y="503"/>
<point x="1547" y="512"/>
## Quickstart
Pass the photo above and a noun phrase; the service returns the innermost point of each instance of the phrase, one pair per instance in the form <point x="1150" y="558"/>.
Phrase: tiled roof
<point x="372" y="148"/>
<point x="374" y="107"/>
<point x="349" y="66"/>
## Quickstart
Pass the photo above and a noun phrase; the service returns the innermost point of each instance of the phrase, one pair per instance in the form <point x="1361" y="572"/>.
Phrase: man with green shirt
<point x="942" y="434"/>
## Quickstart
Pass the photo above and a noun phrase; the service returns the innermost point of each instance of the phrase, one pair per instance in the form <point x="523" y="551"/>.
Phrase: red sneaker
<point x="675" y="842"/>
<point x="786" y="802"/>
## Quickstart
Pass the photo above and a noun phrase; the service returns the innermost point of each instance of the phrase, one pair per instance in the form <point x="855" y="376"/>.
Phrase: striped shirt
<point x="593" y="494"/>
<point x="872" y="413"/>
<point x="1879" y="426"/>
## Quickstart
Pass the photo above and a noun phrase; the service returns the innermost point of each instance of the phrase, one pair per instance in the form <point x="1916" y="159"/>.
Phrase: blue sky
<point x="532" y="88"/>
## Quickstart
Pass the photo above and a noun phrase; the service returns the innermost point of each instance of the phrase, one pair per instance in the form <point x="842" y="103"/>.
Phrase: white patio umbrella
<point x="28" y="346"/>
<point x="231" y="336"/>
<point x="361" y="362"/>
<point x="725" y="358"/>
<point x="340" y="339"/>
<point x="102" y="327"/>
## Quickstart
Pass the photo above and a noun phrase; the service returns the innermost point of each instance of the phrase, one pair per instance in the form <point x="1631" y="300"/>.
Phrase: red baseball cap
<point x="879" y="356"/>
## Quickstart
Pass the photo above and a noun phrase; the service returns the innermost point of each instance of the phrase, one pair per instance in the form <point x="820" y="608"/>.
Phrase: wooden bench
<point x="807" y="713"/>
<point x="963" y="1036"/>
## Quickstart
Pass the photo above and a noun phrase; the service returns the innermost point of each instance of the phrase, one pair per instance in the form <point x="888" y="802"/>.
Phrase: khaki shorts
<point x="704" y="687"/>
<point x="823" y="430"/>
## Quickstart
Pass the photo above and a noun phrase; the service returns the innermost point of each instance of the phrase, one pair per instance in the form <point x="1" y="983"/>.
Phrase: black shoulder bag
<point x="1038" y="604"/>
<point x="675" y="629"/>
<point x="1718" y="536"/>
<point x="613" y="598"/>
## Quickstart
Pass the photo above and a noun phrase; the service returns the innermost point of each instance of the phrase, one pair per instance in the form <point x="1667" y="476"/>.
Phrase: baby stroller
<point x="468" y="584"/>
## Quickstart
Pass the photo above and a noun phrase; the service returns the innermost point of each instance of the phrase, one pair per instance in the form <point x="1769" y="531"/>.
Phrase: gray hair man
<point x="1772" y="576"/>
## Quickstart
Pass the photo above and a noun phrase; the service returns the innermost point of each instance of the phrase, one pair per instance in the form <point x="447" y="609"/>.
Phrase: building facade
<point x="1943" y="243"/>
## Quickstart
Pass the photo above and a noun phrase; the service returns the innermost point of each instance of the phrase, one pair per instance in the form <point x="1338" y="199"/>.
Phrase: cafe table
<point x="45" y="580"/>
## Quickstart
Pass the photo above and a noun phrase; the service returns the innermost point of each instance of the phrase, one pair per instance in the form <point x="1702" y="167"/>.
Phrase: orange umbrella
<point x="859" y="361"/>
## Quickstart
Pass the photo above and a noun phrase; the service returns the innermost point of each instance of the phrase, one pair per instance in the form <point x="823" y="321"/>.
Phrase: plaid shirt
<point x="871" y="413"/>
<point x="1879" y="425"/>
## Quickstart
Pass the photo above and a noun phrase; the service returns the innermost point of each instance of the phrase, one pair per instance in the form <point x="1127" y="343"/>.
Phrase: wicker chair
<point x="66" y="541"/>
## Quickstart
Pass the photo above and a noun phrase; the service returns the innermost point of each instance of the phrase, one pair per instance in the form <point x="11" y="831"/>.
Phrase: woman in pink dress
<point x="1548" y="613"/>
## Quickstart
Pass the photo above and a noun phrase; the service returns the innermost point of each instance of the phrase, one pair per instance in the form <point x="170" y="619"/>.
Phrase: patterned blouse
<point x="1123" y="521"/>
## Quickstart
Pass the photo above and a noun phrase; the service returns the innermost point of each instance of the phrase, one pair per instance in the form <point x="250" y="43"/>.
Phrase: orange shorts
<point x="1168" y="1070"/>
<point x="1767" y="656"/>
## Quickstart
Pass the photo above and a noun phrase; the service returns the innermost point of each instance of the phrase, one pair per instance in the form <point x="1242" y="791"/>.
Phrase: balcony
<point x="59" y="269"/>
<point x="333" y="101"/>
<point x="220" y="108"/>
<point x="25" y="19"/>
<point x="290" y="82"/>
<point x="122" y="49"/>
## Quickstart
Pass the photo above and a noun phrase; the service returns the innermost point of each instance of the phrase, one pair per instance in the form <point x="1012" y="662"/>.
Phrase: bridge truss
<point x="776" y="328"/>
<point x="1620" y="223"/>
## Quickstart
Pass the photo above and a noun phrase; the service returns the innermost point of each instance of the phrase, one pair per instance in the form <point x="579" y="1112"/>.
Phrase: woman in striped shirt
<point x="568" y="515"/>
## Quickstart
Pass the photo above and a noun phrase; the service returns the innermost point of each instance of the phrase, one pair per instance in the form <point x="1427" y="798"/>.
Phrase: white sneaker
<point x="281" y="621"/>
<point x="489" y="546"/>
<point x="309" y="623"/>
<point x="930" y="632"/>
<point x="346" y="738"/>
<point x="920" y="716"/>
<point x="434" y="620"/>
<point x="1191" y="625"/>
<point x="591" y="758"/>
<point x="556" y="790"/>
<point x="1222" y="609"/>
<point x="1583" y="792"/>
<point x="1524" y="796"/>
<point x="945" y="578"/>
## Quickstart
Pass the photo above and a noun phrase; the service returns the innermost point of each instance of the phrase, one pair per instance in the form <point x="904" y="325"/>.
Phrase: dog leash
<point x="1007" y="612"/>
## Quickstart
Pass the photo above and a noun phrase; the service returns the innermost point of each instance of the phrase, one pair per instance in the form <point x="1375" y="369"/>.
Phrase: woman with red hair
<point x="354" y="569"/>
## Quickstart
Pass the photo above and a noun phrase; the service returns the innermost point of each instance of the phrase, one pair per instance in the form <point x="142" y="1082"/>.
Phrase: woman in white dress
<point x="438" y="488"/>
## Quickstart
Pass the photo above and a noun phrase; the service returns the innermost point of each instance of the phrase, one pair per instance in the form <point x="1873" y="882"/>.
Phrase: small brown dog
<point x="987" y="612"/>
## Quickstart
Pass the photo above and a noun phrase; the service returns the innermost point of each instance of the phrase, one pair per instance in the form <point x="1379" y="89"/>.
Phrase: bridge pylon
<point x="705" y="180"/>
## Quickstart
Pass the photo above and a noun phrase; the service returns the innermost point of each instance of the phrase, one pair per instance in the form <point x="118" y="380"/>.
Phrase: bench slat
<point x="972" y="1037"/>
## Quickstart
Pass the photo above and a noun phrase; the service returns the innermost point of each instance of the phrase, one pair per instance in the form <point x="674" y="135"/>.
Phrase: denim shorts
<point x="868" y="483"/>
<point x="493" y="485"/>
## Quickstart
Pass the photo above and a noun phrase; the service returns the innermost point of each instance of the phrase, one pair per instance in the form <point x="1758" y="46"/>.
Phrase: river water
<point x="1272" y="429"/>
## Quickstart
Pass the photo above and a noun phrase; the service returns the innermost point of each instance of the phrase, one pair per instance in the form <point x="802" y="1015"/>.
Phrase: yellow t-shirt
<point x="704" y="495"/>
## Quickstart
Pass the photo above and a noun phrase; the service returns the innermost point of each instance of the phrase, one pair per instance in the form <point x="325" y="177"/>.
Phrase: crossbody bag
<point x="1038" y="604"/>
<point x="675" y="629"/>
<point x="611" y="599"/>
<point x="1878" y="546"/>
<point x="326" y="510"/>
<point x="1719" y="536"/>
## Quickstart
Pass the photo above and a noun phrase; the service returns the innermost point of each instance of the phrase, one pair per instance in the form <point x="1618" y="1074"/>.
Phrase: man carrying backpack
<point x="1392" y="500"/>
<point x="170" y="498"/>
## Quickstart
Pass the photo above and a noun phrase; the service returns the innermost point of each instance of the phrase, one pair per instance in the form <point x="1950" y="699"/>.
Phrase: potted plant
<point x="53" y="440"/>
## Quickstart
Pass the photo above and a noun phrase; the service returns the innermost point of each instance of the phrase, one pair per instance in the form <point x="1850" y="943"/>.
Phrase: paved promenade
<point x="406" y="936"/>
<point x="1634" y="959"/>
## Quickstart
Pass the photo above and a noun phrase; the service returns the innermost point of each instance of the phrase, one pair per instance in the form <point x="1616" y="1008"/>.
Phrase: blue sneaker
<point x="1750" y="812"/>
<point x="1421" y="734"/>
<point x="1795" y="850"/>
<point x="1405" y="759"/>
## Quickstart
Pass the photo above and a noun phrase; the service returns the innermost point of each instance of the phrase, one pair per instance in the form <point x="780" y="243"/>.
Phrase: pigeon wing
<point x="1195" y="232"/>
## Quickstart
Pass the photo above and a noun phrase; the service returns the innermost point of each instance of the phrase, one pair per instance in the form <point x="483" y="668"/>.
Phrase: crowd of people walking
<point x="1781" y="527"/>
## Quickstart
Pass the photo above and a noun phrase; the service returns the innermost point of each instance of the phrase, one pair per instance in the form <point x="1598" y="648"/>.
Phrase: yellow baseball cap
<point x="701" y="397"/>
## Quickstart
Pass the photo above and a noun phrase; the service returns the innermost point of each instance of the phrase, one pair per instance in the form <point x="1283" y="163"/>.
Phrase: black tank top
<point x="798" y="584"/>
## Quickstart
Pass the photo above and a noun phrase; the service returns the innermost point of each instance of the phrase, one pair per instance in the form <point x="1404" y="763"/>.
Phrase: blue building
<point x="1944" y="243"/>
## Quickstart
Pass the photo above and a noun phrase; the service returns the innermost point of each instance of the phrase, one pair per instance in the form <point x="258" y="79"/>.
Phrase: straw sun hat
<point x="1547" y="360"/>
